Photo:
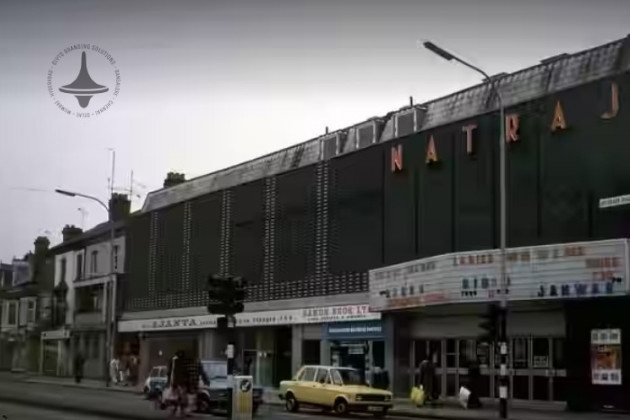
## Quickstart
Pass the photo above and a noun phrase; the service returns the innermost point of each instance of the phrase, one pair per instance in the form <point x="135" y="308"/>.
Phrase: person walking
<point x="114" y="366"/>
<point x="184" y="373"/>
<point x="79" y="361"/>
<point x="428" y="379"/>
<point x="474" y="378"/>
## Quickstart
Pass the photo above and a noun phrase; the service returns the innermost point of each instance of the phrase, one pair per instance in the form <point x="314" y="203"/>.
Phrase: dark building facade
<point x="306" y="224"/>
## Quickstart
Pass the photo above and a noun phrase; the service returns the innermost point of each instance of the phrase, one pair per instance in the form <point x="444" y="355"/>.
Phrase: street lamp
<point x="110" y="289"/>
<point x="503" y="389"/>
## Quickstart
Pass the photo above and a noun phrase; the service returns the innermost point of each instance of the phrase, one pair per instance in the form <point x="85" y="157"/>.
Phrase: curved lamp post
<point x="503" y="390"/>
<point x="110" y="289"/>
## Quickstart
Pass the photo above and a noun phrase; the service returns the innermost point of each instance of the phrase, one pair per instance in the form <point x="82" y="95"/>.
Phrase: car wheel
<point x="341" y="406"/>
<point x="382" y="414"/>
<point x="290" y="403"/>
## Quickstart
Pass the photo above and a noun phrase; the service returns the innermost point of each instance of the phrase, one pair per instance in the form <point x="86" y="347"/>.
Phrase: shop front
<point x="360" y="345"/>
<point x="565" y="304"/>
<point x="270" y="345"/>
<point x="55" y="353"/>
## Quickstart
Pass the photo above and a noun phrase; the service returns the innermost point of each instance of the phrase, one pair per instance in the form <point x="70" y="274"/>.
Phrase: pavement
<point x="94" y="399"/>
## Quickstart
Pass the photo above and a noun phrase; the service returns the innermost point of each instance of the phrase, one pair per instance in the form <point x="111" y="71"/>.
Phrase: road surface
<point x="23" y="412"/>
<point x="32" y="412"/>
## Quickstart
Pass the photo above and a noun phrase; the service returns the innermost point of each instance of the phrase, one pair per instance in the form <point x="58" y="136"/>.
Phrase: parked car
<point x="214" y="396"/>
<point x="341" y="390"/>
<point x="156" y="382"/>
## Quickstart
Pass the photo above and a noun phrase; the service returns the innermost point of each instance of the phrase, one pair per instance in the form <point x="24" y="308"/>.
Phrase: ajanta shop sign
<point x="575" y="270"/>
<point x="252" y="319"/>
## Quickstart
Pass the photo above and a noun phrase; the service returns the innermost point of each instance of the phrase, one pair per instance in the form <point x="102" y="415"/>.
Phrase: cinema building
<point x="307" y="224"/>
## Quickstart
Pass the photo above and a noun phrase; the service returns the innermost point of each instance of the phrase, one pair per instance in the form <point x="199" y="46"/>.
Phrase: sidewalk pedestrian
<point x="79" y="361"/>
<point x="474" y="378"/>
<point x="428" y="379"/>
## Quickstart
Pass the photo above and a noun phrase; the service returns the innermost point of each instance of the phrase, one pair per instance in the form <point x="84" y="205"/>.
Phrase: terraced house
<point x="25" y="296"/>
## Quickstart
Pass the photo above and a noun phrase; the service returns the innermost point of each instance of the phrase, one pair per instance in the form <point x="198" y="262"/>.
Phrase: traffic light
<point x="226" y="295"/>
<point x="490" y="324"/>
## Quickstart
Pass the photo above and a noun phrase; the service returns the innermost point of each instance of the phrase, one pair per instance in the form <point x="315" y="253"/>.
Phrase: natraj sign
<point x="585" y="269"/>
<point x="254" y="319"/>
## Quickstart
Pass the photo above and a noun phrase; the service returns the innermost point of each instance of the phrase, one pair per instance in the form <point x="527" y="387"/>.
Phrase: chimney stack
<point x="119" y="207"/>
<point x="174" y="178"/>
<point x="41" y="245"/>
<point x="70" y="231"/>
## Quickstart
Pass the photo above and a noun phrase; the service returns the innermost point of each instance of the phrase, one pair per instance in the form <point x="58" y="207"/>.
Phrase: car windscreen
<point x="215" y="370"/>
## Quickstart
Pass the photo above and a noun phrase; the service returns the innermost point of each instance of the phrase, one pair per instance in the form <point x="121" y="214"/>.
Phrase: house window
<point x="31" y="311"/>
<point x="79" y="273"/>
<point x="12" y="316"/>
<point x="63" y="270"/>
<point x="115" y="258"/>
<point x="96" y="301"/>
<point x="94" y="262"/>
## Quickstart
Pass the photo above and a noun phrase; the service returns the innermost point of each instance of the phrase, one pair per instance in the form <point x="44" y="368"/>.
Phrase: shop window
<point x="558" y="353"/>
<point x="435" y="349"/>
<point x="467" y="352"/>
<point x="521" y="387"/>
<point x="451" y="353"/>
<point x="541" y="388"/>
<point x="540" y="353"/>
<point x="483" y="354"/>
<point x="311" y="352"/>
<point x="378" y="353"/>
<point x="520" y="356"/>
<point x="420" y="350"/>
<point x="451" y="385"/>
<point x="484" y="386"/>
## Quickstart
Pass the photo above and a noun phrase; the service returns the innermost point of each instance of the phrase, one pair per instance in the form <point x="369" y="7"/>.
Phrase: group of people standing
<point x="124" y="370"/>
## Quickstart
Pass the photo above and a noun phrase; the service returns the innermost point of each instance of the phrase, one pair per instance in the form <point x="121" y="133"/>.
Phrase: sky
<point x="204" y="85"/>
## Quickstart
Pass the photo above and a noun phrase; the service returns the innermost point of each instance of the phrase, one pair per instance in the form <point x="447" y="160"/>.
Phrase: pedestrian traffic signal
<point x="490" y="324"/>
<point x="226" y="295"/>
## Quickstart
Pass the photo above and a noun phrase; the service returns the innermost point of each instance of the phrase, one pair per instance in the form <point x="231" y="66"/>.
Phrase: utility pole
<point x="226" y="297"/>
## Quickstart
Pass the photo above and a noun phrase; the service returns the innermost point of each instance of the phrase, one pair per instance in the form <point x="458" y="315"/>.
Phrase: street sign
<point x="620" y="200"/>
<point x="242" y="400"/>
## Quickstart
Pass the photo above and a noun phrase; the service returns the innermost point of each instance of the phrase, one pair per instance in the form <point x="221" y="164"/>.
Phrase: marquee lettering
<point x="468" y="129"/>
<point x="614" y="102"/>
<point x="397" y="158"/>
<point x="511" y="128"/>
<point x="432" y="156"/>
<point x="512" y="133"/>
<point x="559" y="122"/>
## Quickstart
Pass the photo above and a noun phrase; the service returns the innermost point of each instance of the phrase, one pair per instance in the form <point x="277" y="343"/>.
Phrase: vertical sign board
<point x="242" y="398"/>
<point x="561" y="271"/>
<point x="606" y="357"/>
